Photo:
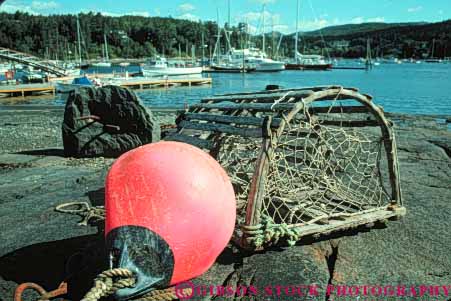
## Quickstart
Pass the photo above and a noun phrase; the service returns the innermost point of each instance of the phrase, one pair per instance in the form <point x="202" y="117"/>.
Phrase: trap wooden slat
<point x="221" y="128"/>
<point x="237" y="120"/>
<point x="260" y="98"/>
<point x="244" y="106"/>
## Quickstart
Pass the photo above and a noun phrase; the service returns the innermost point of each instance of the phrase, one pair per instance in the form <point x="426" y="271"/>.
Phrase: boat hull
<point x="317" y="67"/>
<point x="269" y="67"/>
<point x="106" y="65"/>
<point x="231" y="69"/>
<point x="150" y="72"/>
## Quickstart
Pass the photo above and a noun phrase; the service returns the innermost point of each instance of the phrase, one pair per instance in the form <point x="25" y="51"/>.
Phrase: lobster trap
<point x="303" y="162"/>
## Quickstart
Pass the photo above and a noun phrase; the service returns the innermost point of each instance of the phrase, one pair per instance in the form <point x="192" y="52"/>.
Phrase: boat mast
<point x="218" y="37"/>
<point x="79" y="42"/>
<point x="229" y="14"/>
<point x="263" y="46"/>
<point x="203" y="48"/>
<point x="228" y="31"/>
<point x="369" y="62"/>
<point x="297" y="32"/>
<point x="433" y="48"/>
<point x="106" y="48"/>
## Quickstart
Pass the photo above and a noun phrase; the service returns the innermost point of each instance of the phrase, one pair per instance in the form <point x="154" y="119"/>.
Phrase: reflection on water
<point x="407" y="88"/>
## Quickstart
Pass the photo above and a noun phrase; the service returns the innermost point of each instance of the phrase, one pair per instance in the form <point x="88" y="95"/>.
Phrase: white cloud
<point x="186" y="7"/>
<point x="134" y="13"/>
<point x="440" y="12"/>
<point x="138" y="13"/>
<point x="189" y="17"/>
<point x="376" y="19"/>
<point x="258" y="17"/>
<point x="309" y="25"/>
<point x="41" y="5"/>
<point x="357" y="20"/>
<point x="13" y="6"/>
<point x="415" y="9"/>
<point x="109" y="14"/>
<point x="34" y="8"/>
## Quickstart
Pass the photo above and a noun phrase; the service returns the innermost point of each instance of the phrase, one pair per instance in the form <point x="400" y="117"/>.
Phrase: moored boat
<point x="161" y="67"/>
<point x="255" y="58"/>
<point x="309" y="62"/>
<point x="231" y="68"/>
<point x="303" y="61"/>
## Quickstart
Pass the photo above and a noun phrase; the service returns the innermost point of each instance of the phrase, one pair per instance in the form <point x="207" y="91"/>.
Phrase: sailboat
<point x="72" y="69"/>
<point x="255" y="57"/>
<point x="227" y="63"/>
<point x="306" y="62"/>
<point x="432" y="59"/>
<point x="106" y="60"/>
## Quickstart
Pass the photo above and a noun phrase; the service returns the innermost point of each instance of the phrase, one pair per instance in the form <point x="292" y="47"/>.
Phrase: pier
<point x="27" y="90"/>
<point x="148" y="83"/>
<point x="134" y="83"/>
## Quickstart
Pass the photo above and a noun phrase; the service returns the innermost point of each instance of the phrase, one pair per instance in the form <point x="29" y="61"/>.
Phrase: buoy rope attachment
<point x="109" y="281"/>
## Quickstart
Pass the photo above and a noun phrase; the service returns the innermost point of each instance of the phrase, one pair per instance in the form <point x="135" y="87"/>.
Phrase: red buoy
<point x="170" y="211"/>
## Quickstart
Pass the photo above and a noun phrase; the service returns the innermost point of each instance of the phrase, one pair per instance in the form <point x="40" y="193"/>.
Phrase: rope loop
<point x="84" y="210"/>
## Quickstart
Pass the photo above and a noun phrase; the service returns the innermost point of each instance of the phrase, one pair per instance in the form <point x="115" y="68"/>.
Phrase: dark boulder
<point x="106" y="122"/>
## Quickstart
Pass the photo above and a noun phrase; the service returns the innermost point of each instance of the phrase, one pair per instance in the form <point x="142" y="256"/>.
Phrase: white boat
<point x="308" y="62"/>
<point x="305" y="61"/>
<point x="102" y="64"/>
<point x="161" y="67"/>
<point x="254" y="57"/>
<point x="251" y="58"/>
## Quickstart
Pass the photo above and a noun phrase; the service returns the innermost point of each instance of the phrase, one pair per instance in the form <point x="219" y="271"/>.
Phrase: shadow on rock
<point x="97" y="197"/>
<point x="76" y="260"/>
<point x="54" y="152"/>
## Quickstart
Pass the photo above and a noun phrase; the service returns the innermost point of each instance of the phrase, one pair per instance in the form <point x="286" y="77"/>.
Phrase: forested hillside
<point x="136" y="37"/>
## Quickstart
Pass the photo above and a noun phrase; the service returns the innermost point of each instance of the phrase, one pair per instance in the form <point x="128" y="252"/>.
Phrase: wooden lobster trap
<point x="303" y="162"/>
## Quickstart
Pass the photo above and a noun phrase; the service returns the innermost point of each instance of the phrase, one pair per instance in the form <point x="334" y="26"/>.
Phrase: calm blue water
<point x="406" y="88"/>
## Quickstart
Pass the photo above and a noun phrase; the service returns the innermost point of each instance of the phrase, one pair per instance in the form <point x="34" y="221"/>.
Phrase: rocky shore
<point x="44" y="246"/>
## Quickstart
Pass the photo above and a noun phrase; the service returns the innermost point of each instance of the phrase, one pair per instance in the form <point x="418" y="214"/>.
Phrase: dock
<point x="132" y="83"/>
<point x="149" y="83"/>
<point x="26" y="90"/>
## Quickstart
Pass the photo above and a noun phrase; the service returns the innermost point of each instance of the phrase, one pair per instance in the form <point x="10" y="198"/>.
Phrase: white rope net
<point x="318" y="172"/>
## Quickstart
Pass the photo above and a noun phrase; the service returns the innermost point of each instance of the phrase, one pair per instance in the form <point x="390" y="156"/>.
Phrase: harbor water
<point x="404" y="88"/>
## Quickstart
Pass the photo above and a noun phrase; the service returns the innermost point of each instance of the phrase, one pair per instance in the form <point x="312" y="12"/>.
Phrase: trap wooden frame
<point x="266" y="117"/>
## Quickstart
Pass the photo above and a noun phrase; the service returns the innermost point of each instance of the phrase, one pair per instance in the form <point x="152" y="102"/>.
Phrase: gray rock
<point x="415" y="250"/>
<point x="38" y="244"/>
<point x="124" y="123"/>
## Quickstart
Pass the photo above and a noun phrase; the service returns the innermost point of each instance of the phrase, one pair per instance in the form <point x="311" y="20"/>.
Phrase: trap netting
<point x="317" y="172"/>
<point x="303" y="162"/>
<point x="238" y="156"/>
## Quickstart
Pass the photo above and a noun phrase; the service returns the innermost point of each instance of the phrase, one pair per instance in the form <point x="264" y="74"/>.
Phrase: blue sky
<point x="281" y="14"/>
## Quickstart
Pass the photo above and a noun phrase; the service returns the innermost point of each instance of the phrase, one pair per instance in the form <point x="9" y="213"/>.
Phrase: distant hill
<point x="348" y="29"/>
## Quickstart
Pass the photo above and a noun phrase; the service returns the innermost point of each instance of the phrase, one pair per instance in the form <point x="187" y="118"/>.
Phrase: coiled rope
<point x="84" y="210"/>
<point x="109" y="281"/>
